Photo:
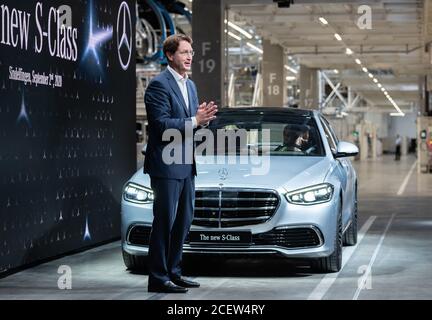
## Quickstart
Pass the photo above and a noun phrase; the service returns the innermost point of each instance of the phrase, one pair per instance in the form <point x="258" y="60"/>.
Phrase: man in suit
<point x="172" y="103"/>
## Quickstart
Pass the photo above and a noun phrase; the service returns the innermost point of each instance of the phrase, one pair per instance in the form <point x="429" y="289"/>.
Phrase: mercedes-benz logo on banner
<point x="124" y="35"/>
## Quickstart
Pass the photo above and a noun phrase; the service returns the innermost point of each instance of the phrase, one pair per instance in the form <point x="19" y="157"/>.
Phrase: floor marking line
<point x="371" y="262"/>
<point x="324" y="285"/>
<point x="405" y="182"/>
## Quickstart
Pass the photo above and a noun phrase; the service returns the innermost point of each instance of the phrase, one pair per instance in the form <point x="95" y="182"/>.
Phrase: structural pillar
<point x="208" y="42"/>
<point x="274" y="90"/>
<point x="309" y="88"/>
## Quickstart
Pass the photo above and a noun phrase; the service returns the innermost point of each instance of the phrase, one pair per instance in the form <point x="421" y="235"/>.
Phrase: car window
<point x="329" y="136"/>
<point x="289" y="135"/>
<point x="332" y="132"/>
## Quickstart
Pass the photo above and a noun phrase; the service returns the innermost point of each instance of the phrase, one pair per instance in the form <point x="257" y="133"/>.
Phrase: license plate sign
<point x="220" y="237"/>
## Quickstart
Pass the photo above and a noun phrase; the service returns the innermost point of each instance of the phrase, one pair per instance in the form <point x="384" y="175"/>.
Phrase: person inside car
<point x="295" y="138"/>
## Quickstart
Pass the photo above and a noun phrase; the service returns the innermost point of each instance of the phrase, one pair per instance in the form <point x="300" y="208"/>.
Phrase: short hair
<point x="172" y="43"/>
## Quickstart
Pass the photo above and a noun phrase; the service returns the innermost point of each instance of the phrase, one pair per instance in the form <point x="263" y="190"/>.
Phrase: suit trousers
<point x="173" y="209"/>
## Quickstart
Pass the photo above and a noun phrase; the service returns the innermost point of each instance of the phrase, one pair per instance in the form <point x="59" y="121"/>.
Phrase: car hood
<point x="287" y="172"/>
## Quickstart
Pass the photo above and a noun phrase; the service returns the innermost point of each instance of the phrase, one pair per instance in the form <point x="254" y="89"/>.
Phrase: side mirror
<point x="143" y="150"/>
<point x="346" y="149"/>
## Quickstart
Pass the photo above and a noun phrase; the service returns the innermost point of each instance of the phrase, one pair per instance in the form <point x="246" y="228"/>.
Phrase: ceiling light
<point x="323" y="21"/>
<point x="399" y="110"/>
<point x="397" y="114"/>
<point x="375" y="80"/>
<point x="291" y="69"/>
<point x="379" y="85"/>
<point x="365" y="69"/>
<point x="348" y="51"/>
<point x="370" y="75"/>
<point x="338" y="37"/>
<point x="357" y="61"/>
<point x="254" y="47"/>
<point x="290" y="78"/>
<point x="382" y="89"/>
<point x="234" y="36"/>
<point x="236" y="27"/>
<point x="336" y="71"/>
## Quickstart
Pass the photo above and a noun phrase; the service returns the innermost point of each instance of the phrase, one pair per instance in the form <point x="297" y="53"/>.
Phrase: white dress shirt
<point x="181" y="82"/>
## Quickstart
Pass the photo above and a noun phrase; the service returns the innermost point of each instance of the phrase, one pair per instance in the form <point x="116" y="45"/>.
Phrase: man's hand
<point x="206" y="113"/>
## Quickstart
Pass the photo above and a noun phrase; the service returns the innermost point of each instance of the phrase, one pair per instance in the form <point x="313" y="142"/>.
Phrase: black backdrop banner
<point x="67" y="124"/>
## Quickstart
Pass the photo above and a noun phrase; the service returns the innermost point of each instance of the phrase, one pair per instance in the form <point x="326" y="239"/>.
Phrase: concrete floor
<point x="391" y="261"/>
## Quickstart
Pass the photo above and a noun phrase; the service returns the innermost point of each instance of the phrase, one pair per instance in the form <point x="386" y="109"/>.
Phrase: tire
<point x="133" y="262"/>
<point x="350" y="235"/>
<point x="332" y="263"/>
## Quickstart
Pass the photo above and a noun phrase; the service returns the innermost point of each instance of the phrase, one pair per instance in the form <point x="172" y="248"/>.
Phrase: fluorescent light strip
<point x="243" y="32"/>
<point x="348" y="51"/>
<point x="399" y="111"/>
<point x="254" y="47"/>
<point x="323" y="21"/>
<point x="232" y="35"/>
<point x="397" y="108"/>
<point x="291" y="69"/>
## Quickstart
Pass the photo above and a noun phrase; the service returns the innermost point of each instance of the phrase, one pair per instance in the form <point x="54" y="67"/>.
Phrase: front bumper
<point x="321" y="218"/>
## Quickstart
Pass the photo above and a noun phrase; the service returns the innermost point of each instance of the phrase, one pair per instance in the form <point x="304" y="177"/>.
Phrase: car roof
<point x="272" y="110"/>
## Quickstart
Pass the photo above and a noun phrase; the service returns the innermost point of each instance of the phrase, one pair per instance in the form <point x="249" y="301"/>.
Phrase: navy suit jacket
<point x="166" y="109"/>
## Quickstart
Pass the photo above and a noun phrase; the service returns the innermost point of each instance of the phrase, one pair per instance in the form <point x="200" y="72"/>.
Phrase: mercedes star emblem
<point x="223" y="173"/>
<point x="124" y="34"/>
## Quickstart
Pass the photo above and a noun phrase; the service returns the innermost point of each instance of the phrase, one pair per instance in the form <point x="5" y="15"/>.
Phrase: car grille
<point x="289" y="237"/>
<point x="225" y="207"/>
<point x="304" y="237"/>
<point x="139" y="235"/>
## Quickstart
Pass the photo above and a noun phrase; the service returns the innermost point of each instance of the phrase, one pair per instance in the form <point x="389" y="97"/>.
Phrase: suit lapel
<point x="191" y="95"/>
<point x="174" y="86"/>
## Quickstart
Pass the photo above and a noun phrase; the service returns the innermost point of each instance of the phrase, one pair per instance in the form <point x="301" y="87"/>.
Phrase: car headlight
<point x="138" y="194"/>
<point x="311" y="195"/>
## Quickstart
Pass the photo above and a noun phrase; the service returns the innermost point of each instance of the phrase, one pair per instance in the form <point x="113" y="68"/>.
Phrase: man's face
<point x="303" y="138"/>
<point x="181" y="60"/>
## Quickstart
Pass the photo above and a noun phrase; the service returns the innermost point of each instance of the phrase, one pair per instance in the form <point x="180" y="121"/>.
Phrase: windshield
<point x="257" y="132"/>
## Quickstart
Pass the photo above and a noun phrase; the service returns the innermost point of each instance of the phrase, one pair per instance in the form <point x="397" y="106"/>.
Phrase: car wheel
<point x="133" y="262"/>
<point x="350" y="235"/>
<point x="332" y="263"/>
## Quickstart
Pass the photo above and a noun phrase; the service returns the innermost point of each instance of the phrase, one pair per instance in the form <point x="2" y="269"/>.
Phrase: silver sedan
<point x="270" y="180"/>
